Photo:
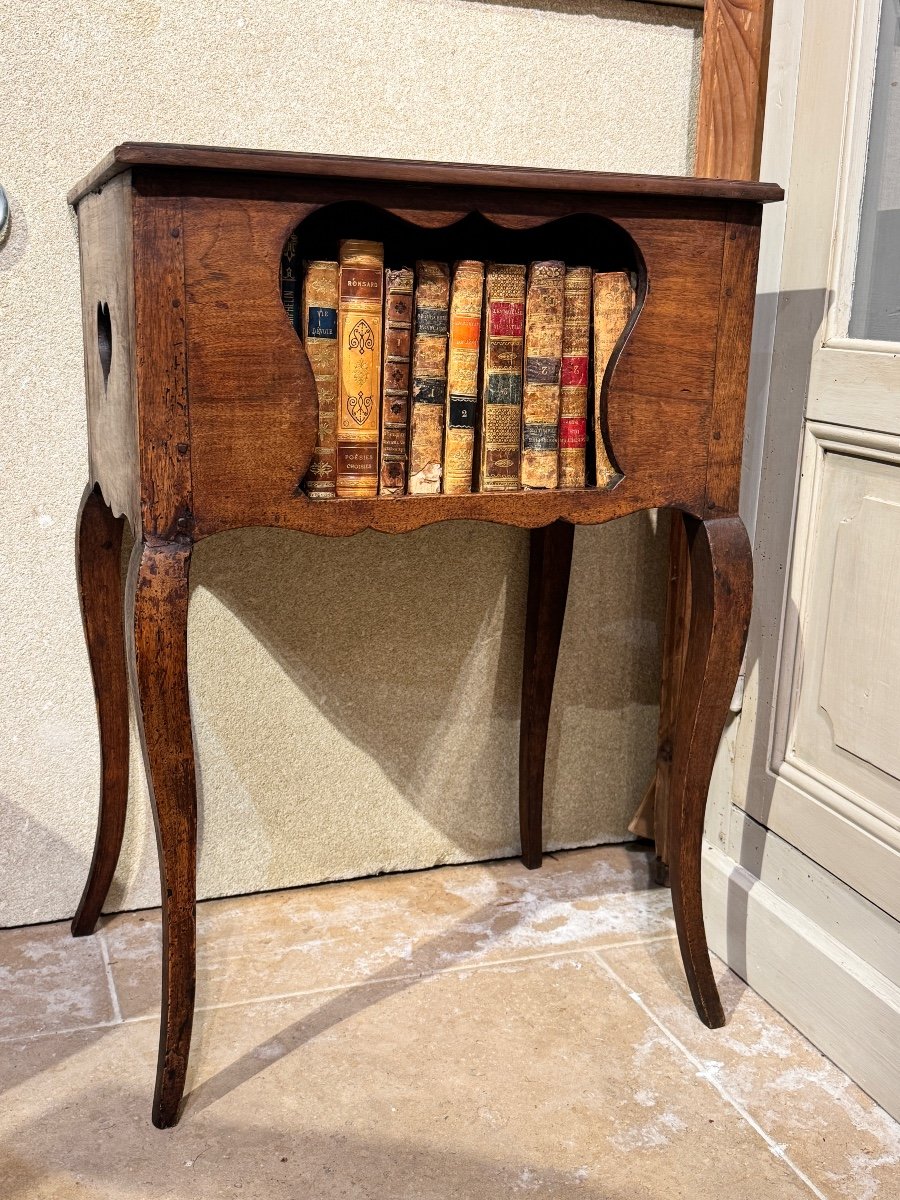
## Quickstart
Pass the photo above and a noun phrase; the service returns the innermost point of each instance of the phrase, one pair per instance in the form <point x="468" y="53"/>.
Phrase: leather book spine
<point x="398" y="306"/>
<point x="613" y="305"/>
<point x="500" y="426"/>
<point x="290" y="281"/>
<point x="544" y="308"/>
<point x="320" y="338"/>
<point x="576" y="347"/>
<point x="359" y="391"/>
<point x="428" y="397"/>
<point x="466" y="297"/>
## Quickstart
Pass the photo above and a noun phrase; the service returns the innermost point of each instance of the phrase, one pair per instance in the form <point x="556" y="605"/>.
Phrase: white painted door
<point x="818" y="748"/>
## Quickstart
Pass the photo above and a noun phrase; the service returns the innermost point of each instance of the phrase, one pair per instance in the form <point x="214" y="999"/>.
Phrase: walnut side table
<point x="202" y="417"/>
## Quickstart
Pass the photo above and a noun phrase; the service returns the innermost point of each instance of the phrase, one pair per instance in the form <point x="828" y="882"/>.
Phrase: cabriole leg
<point x="98" y="548"/>
<point x="721" y="588"/>
<point x="158" y="601"/>
<point x="550" y="561"/>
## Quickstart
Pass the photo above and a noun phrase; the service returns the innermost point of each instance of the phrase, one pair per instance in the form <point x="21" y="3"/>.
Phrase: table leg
<point x="158" y="601"/>
<point x="721" y="587"/>
<point x="98" y="548"/>
<point x="550" y="561"/>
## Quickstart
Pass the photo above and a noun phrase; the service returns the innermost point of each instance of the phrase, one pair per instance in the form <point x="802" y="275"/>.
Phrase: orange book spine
<point x="359" y="393"/>
<point x="462" y="375"/>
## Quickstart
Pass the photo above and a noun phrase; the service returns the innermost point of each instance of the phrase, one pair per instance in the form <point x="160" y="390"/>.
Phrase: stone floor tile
<point x="50" y="980"/>
<point x="830" y="1128"/>
<point x="537" y="1078"/>
<point x="335" y="934"/>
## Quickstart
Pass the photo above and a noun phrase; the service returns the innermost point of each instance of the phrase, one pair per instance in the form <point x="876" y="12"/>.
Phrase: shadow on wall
<point x="411" y="648"/>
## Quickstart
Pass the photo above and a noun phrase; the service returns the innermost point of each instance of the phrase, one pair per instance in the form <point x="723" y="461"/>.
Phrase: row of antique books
<point x="440" y="379"/>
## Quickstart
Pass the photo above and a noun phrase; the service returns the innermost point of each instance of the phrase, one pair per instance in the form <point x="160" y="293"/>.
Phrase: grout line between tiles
<point x="706" y="1073"/>
<point x="111" y="984"/>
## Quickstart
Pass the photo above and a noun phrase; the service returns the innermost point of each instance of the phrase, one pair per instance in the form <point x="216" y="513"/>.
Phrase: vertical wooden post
<point x="733" y="74"/>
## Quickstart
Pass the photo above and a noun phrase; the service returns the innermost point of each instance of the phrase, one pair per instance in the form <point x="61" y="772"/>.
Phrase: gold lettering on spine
<point x="359" y="394"/>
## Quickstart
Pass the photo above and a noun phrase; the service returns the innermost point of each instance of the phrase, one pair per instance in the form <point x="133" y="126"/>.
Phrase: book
<point x="429" y="378"/>
<point x="359" y="391"/>
<point x="613" y="305"/>
<point x="500" y="424"/>
<point x="290" y="281"/>
<point x="466" y="296"/>
<point x="398" y="306"/>
<point x="320" y="338"/>
<point x="544" y="309"/>
<point x="574" y="378"/>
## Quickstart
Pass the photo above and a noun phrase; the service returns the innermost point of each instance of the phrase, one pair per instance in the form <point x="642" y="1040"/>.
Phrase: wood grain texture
<point x="549" y="565"/>
<point x="107" y="286"/>
<point x="280" y="162"/>
<point x="161" y="367"/>
<point x="157" y="599"/>
<point x="733" y="75"/>
<point x="721" y="565"/>
<point x="98" y="551"/>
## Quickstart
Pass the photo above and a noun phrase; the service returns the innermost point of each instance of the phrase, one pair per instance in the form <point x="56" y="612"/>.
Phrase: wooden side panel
<point x="253" y="397"/>
<point x="723" y="479"/>
<point x="660" y="394"/>
<point x="161" y="368"/>
<point x="107" y="320"/>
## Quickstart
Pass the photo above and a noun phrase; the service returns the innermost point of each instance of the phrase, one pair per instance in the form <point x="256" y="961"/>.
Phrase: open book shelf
<point x="203" y="415"/>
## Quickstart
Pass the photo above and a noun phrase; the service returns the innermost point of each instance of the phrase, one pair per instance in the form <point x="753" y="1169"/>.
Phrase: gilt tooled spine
<point x="466" y="297"/>
<point x="613" y="305"/>
<point x="290" y="281"/>
<point x="429" y="379"/>
<point x="574" y="378"/>
<point x="398" y="306"/>
<point x="501" y="394"/>
<point x="544" y="307"/>
<point x="320" y="337"/>
<point x="359" y="390"/>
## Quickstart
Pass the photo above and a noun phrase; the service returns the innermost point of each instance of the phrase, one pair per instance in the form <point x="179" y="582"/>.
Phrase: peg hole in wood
<point x="104" y="339"/>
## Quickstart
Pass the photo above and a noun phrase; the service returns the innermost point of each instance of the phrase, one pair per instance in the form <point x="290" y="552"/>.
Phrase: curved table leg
<point x="158" y="601"/>
<point x="550" y="562"/>
<point x="721" y="588"/>
<point x="98" y="548"/>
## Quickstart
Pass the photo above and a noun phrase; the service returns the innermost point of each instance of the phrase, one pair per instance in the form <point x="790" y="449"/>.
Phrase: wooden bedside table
<point x="202" y="417"/>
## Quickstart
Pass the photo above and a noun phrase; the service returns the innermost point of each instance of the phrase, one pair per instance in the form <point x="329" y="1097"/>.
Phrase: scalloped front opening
<point x="617" y="285"/>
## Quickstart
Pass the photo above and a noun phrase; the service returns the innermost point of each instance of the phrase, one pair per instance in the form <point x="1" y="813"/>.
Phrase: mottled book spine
<point x="398" y="306"/>
<point x="574" y="378"/>
<point x="462" y="375"/>
<point x="429" y="379"/>
<point x="613" y="304"/>
<point x="290" y="281"/>
<point x="501" y="393"/>
<point x="320" y="337"/>
<point x="359" y="391"/>
<point x="544" y="307"/>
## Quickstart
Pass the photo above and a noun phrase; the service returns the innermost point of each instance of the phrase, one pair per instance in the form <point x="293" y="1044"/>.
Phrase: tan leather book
<point x="398" y="309"/>
<point x="466" y="296"/>
<point x="613" y="305"/>
<point x="429" y="379"/>
<point x="576" y="348"/>
<point x="359" y="392"/>
<point x="319" y="326"/>
<point x="500" y="425"/>
<point x="544" y="309"/>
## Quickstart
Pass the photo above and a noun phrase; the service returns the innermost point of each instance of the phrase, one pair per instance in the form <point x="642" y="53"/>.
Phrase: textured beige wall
<point x="355" y="701"/>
